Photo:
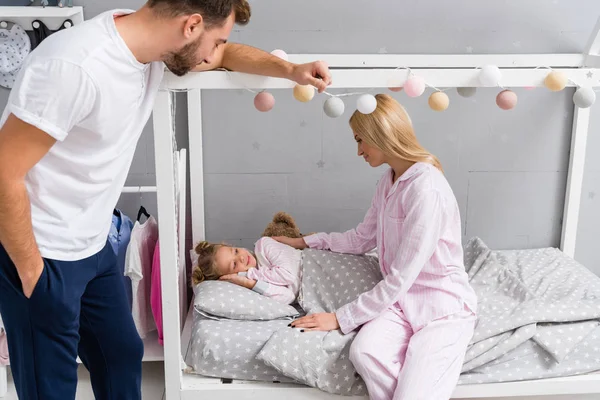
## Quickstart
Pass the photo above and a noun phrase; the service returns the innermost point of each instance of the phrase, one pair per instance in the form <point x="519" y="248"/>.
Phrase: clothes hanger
<point x="40" y="32"/>
<point x="66" y="24"/>
<point x="116" y="213"/>
<point x="142" y="211"/>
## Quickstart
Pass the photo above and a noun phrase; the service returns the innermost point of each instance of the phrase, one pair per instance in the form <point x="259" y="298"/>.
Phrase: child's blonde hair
<point x="390" y="130"/>
<point x="206" y="267"/>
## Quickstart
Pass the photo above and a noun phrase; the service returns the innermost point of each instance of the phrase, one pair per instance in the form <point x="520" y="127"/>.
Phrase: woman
<point x="416" y="324"/>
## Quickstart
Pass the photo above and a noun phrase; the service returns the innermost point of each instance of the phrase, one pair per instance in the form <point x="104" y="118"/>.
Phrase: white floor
<point x="153" y="383"/>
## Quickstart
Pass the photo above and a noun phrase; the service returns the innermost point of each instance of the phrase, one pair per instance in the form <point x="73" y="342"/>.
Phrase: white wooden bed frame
<point x="349" y="71"/>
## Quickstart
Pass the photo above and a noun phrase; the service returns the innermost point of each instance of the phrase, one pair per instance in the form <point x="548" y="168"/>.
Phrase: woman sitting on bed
<point x="273" y="269"/>
<point x="415" y="324"/>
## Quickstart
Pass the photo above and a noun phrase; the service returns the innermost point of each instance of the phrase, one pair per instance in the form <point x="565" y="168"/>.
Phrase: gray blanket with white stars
<point x="538" y="317"/>
<point x="321" y="359"/>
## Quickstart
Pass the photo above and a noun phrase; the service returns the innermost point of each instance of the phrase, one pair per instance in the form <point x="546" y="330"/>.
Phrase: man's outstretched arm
<point x="248" y="59"/>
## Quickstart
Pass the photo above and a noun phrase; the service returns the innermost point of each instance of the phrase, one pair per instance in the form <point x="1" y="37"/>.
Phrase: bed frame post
<point x="167" y="231"/>
<point x="575" y="181"/>
<point x="581" y="121"/>
<point x="194" y="98"/>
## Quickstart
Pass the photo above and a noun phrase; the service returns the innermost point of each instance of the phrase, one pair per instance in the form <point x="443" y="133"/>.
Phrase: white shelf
<point x="153" y="351"/>
<point x="39" y="12"/>
<point x="52" y="17"/>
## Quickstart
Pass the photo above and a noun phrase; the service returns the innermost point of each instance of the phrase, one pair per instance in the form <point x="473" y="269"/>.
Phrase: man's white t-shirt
<point x="84" y="87"/>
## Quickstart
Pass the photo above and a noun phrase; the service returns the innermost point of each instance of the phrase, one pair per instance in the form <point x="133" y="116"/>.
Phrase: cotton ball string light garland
<point x="556" y="81"/>
<point x="264" y="101"/>
<point x="506" y="99"/>
<point x="304" y="93"/>
<point x="466" y="91"/>
<point x="414" y="86"/>
<point x="584" y="97"/>
<point x="280" y="53"/>
<point x="366" y="103"/>
<point x="334" y="107"/>
<point x="490" y="75"/>
<point x="439" y="101"/>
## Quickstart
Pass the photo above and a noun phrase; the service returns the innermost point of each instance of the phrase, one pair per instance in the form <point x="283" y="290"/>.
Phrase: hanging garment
<point x="15" y="45"/>
<point x="138" y="267"/>
<point x="119" y="236"/>
<point x="3" y="345"/>
<point x="156" y="294"/>
<point x="40" y="32"/>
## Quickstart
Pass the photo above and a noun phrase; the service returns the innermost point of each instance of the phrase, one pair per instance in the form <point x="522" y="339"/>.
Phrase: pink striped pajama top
<point x="415" y="225"/>
<point x="277" y="273"/>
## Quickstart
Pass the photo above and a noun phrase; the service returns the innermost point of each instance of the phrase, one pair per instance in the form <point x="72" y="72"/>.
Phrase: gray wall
<point x="508" y="169"/>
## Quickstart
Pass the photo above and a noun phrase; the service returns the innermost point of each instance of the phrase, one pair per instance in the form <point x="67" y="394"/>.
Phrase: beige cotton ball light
<point x="439" y="101"/>
<point x="304" y="93"/>
<point x="556" y="81"/>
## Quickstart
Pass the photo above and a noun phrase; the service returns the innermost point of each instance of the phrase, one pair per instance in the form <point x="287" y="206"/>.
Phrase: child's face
<point x="231" y="260"/>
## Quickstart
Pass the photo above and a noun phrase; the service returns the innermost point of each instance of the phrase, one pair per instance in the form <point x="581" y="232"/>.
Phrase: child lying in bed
<point x="273" y="269"/>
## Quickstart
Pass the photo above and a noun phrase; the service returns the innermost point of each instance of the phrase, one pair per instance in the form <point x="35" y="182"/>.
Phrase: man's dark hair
<point x="214" y="12"/>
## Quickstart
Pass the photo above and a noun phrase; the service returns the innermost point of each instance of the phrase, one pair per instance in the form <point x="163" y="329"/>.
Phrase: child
<point x="273" y="270"/>
<point x="416" y="324"/>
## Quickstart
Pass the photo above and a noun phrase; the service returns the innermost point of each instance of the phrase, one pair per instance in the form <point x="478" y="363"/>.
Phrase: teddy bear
<point x="283" y="224"/>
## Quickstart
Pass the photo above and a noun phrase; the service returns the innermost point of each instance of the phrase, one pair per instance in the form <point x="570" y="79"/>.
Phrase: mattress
<point x="228" y="348"/>
<point x="538" y="317"/>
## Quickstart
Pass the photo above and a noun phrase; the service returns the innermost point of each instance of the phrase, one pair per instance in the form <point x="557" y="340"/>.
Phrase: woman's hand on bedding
<point x="317" y="322"/>
<point x="297" y="243"/>
<point x="239" y="280"/>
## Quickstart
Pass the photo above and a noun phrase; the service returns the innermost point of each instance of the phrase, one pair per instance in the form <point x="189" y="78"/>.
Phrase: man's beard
<point x="184" y="60"/>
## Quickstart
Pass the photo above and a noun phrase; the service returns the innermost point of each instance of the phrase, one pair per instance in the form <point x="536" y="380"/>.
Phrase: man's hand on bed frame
<point x="247" y="59"/>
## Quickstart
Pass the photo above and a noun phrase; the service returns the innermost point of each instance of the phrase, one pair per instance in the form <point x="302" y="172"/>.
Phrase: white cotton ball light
<point x="584" y="97"/>
<point x="366" y="103"/>
<point x="264" y="101"/>
<point x="414" y="86"/>
<point x="280" y="53"/>
<point x="490" y="75"/>
<point x="466" y="91"/>
<point x="304" y="93"/>
<point x="334" y="107"/>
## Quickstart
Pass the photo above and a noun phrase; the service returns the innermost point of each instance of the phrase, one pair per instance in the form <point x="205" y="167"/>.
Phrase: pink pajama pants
<point x="399" y="364"/>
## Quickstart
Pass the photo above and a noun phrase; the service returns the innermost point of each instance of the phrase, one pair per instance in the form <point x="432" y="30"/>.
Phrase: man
<point x="67" y="138"/>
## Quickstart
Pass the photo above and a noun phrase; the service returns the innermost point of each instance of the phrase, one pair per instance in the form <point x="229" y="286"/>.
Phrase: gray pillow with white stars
<point x="226" y="300"/>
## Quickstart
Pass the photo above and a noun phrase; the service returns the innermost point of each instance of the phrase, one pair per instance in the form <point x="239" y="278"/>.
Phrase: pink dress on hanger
<point x="3" y="348"/>
<point x="155" y="293"/>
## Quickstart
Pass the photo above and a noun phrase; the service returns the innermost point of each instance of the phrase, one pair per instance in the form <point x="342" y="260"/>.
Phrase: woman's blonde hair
<point x="206" y="267"/>
<point x="390" y="130"/>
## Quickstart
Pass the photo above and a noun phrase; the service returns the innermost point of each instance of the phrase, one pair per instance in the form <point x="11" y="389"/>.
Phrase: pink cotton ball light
<point x="414" y="86"/>
<point x="280" y="53"/>
<point x="264" y="101"/>
<point x="506" y="99"/>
